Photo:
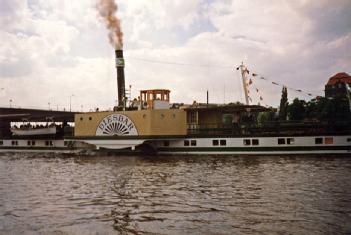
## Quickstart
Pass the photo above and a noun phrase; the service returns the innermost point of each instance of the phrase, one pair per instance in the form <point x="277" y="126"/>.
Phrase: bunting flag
<point x="261" y="98"/>
<point x="250" y="82"/>
<point x="278" y="84"/>
<point x="256" y="90"/>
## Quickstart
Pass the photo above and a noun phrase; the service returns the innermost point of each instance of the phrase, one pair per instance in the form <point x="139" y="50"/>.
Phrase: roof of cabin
<point x="229" y="108"/>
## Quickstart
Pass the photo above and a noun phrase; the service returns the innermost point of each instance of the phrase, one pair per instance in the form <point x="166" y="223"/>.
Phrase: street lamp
<point x="70" y="102"/>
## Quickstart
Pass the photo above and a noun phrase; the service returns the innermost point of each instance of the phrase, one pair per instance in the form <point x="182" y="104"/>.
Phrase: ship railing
<point x="271" y="128"/>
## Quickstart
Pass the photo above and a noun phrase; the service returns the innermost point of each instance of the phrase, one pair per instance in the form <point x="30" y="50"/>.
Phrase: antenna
<point x="244" y="73"/>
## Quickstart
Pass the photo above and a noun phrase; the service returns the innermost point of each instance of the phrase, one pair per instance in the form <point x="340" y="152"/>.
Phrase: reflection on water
<point x="58" y="194"/>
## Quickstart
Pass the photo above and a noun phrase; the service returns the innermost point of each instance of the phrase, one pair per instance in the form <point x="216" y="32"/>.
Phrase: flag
<point x="250" y="82"/>
<point x="261" y="98"/>
<point x="257" y="90"/>
<point x="254" y="75"/>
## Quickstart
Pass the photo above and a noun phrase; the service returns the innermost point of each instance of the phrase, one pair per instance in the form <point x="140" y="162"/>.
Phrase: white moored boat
<point x="34" y="131"/>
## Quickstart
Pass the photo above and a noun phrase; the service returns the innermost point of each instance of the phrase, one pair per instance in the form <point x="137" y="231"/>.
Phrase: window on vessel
<point x="46" y="143"/>
<point x="215" y="142"/>
<point x="1" y="142"/>
<point x="281" y="141"/>
<point x="166" y="143"/>
<point x="348" y="139"/>
<point x="186" y="142"/>
<point x="51" y="144"/>
<point x="81" y="118"/>
<point x="318" y="141"/>
<point x="223" y="142"/>
<point x="90" y="118"/>
<point x="328" y="140"/>
<point x="255" y="142"/>
<point x="28" y="142"/>
<point x="193" y="142"/>
<point x="33" y="142"/>
<point x="290" y="140"/>
<point x="247" y="142"/>
<point x="65" y="143"/>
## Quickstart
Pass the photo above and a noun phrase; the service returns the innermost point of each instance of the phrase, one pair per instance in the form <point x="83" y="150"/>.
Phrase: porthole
<point x="281" y="141"/>
<point x="90" y="118"/>
<point x="247" y="142"/>
<point x="144" y="115"/>
<point x="81" y="118"/>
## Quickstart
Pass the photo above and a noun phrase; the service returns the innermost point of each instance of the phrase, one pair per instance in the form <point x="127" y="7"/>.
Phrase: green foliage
<point x="283" y="104"/>
<point x="297" y="111"/>
<point x="264" y="117"/>
<point x="321" y="109"/>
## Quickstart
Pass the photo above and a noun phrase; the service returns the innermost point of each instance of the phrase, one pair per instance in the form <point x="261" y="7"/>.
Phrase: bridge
<point x="8" y="115"/>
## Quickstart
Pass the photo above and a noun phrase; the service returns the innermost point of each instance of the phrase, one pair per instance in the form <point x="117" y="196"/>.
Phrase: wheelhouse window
<point x="281" y="141"/>
<point x="223" y="142"/>
<point x="247" y="142"/>
<point x="290" y="141"/>
<point x="318" y="140"/>
<point x="215" y="142"/>
<point x="255" y="142"/>
<point x="328" y="140"/>
<point x="166" y="143"/>
<point x="193" y="142"/>
<point x="186" y="142"/>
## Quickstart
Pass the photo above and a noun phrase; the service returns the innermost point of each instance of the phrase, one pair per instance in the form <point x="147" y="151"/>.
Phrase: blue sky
<point x="51" y="50"/>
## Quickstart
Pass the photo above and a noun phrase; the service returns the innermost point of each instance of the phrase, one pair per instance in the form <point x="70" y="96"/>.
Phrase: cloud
<point x="53" y="49"/>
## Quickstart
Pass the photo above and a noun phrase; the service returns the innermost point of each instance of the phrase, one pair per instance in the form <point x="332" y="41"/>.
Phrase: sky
<point x="54" y="53"/>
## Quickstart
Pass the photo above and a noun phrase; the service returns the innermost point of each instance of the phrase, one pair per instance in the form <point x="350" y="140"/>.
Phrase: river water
<point x="63" y="194"/>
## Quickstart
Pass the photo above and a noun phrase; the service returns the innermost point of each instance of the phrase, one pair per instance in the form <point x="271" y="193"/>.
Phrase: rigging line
<point x="290" y="88"/>
<point x="180" y="64"/>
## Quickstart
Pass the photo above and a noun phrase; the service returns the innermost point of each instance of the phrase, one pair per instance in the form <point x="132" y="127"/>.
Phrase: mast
<point x="244" y="73"/>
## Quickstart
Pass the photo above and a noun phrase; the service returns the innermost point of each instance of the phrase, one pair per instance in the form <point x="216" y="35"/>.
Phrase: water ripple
<point x="63" y="194"/>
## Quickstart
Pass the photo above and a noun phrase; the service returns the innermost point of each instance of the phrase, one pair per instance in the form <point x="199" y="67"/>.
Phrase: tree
<point x="265" y="117"/>
<point x="283" y="104"/>
<point x="297" y="111"/>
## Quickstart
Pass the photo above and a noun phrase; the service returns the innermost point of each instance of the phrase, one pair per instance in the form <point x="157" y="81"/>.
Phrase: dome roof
<point x="338" y="78"/>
